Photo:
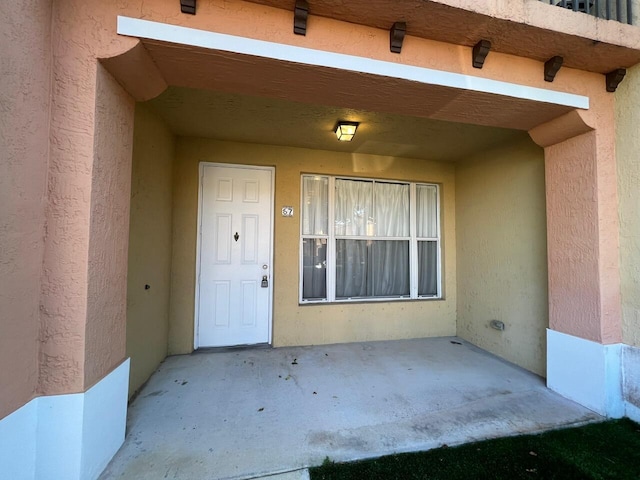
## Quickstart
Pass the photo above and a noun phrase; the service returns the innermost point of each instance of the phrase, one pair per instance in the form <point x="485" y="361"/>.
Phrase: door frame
<point x="201" y="166"/>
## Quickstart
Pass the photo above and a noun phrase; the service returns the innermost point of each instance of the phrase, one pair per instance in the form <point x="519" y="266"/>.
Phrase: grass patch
<point x="607" y="450"/>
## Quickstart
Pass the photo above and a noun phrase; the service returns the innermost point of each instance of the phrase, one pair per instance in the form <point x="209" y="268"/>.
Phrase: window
<point x="367" y="239"/>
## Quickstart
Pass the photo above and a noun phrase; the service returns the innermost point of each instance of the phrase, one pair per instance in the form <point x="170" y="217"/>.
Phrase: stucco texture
<point x="25" y="71"/>
<point x="580" y="268"/>
<point x="58" y="102"/>
<point x="582" y="220"/>
<point x="310" y="324"/>
<point x="83" y="293"/>
<point x="149" y="246"/>
<point x="109" y="234"/>
<point x="502" y="252"/>
<point x="627" y="150"/>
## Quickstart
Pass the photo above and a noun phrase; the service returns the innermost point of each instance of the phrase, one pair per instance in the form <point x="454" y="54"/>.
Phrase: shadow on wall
<point x="502" y="256"/>
<point x="150" y="246"/>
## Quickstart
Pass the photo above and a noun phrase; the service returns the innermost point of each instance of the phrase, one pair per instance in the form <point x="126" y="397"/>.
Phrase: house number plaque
<point x="287" y="211"/>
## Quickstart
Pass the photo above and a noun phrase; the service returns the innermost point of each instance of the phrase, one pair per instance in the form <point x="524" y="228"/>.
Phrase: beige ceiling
<point x="242" y="118"/>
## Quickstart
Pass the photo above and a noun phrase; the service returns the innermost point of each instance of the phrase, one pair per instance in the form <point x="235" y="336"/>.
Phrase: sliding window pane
<point x="315" y="205"/>
<point x="427" y="268"/>
<point x="366" y="268"/>
<point x="427" y="211"/>
<point x="390" y="268"/>
<point x="352" y="262"/>
<point x="354" y="208"/>
<point x="391" y="209"/>
<point x="314" y="269"/>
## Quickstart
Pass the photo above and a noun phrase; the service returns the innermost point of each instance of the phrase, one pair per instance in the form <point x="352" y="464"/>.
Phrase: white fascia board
<point x="164" y="32"/>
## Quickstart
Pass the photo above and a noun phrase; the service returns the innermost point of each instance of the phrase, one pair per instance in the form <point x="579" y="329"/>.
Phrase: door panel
<point x="250" y="232"/>
<point x="234" y="308"/>
<point x="222" y="239"/>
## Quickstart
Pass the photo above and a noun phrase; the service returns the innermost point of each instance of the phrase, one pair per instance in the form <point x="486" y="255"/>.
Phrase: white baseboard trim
<point x="632" y="412"/>
<point x="66" y="436"/>
<point x="631" y="381"/>
<point x="18" y="443"/>
<point x="586" y="372"/>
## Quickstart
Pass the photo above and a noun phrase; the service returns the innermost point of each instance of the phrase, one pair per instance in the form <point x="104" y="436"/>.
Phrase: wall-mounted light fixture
<point x="346" y="130"/>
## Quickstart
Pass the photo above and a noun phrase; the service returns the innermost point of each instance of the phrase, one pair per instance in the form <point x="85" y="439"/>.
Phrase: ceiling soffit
<point x="249" y="119"/>
<point x="227" y="72"/>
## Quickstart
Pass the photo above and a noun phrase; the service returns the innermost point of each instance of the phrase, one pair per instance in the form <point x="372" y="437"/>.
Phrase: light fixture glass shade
<point x="345" y="131"/>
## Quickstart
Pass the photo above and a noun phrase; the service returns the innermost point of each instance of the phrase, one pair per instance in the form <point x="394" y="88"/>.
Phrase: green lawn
<point x="608" y="450"/>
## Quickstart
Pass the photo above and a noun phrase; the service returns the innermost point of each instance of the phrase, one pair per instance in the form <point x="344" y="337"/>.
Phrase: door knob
<point x="265" y="282"/>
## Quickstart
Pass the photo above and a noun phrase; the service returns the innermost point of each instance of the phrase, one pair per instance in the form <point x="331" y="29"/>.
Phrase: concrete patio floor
<point x="254" y="412"/>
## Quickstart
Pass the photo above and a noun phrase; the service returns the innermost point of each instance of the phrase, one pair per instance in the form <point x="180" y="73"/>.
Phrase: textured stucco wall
<point x="149" y="246"/>
<point x="83" y="31"/>
<point x="580" y="268"/>
<point x="109" y="230"/>
<point x="310" y="324"/>
<point x="25" y="70"/>
<point x="91" y="127"/>
<point x="582" y="219"/>
<point x="573" y="225"/>
<point x="583" y="243"/>
<point x="502" y="252"/>
<point x="628" y="157"/>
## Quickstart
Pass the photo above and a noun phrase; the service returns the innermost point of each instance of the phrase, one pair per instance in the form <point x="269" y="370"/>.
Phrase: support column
<point x="583" y="339"/>
<point x="76" y="422"/>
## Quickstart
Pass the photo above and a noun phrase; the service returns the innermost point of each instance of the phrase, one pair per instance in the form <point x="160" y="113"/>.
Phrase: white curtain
<point x="315" y="210"/>
<point x="372" y="268"/>
<point x="368" y="267"/>
<point x="315" y="221"/>
<point x="392" y="210"/>
<point x="354" y="208"/>
<point x="427" y="227"/>
<point x="427" y="211"/>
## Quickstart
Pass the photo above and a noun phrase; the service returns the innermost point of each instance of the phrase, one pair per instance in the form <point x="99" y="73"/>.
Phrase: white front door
<point x="234" y="287"/>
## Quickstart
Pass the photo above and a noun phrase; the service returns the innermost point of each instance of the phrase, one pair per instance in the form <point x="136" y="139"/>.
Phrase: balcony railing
<point x="619" y="10"/>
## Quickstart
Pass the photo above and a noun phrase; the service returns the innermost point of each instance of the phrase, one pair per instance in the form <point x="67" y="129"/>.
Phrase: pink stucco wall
<point x="109" y="232"/>
<point x="25" y="69"/>
<point x="572" y="214"/>
<point x="582" y="221"/>
<point x="84" y="271"/>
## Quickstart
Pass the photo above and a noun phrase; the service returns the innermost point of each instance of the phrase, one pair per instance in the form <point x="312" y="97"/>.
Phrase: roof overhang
<point x="526" y="28"/>
<point x="194" y="58"/>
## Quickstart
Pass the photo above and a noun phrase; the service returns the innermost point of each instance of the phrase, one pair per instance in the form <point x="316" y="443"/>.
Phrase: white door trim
<point x="199" y="234"/>
<point x="165" y="32"/>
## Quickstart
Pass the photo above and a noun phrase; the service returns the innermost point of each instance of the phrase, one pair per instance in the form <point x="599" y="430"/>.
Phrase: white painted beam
<point x="164" y="32"/>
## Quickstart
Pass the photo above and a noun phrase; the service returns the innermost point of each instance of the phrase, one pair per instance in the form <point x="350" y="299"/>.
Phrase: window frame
<point x="331" y="241"/>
